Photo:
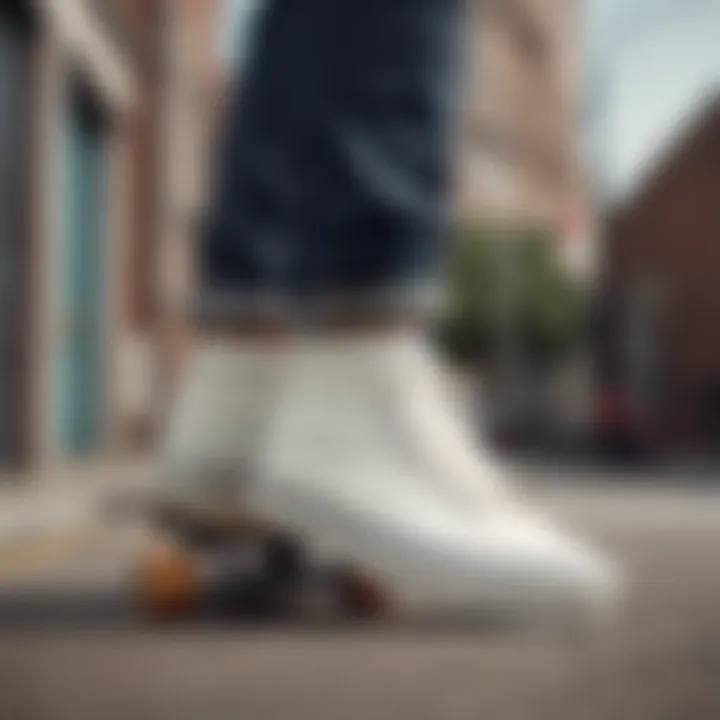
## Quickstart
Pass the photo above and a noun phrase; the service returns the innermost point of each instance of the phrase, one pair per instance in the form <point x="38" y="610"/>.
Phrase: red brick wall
<point x="672" y="231"/>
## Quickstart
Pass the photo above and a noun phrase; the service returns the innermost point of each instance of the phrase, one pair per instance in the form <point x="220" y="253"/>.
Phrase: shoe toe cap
<point x="553" y="571"/>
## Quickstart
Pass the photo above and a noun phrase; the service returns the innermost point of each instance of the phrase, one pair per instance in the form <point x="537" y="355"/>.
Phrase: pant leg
<point x="333" y="171"/>
<point x="249" y="251"/>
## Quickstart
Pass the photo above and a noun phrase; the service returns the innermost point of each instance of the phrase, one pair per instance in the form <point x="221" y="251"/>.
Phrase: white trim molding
<point x="88" y="43"/>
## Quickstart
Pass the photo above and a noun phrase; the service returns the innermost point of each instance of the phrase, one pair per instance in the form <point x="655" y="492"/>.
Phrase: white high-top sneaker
<point x="366" y="465"/>
<point x="216" y="424"/>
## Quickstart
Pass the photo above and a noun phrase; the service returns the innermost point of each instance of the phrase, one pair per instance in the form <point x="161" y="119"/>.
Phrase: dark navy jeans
<point x="332" y="174"/>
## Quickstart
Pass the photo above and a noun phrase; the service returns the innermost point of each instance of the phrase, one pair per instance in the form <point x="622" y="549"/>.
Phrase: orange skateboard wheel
<point x="168" y="583"/>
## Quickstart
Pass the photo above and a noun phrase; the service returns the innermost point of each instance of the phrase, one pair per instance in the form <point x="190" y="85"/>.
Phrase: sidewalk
<point x="66" y="499"/>
<point x="62" y="500"/>
<point x="691" y="471"/>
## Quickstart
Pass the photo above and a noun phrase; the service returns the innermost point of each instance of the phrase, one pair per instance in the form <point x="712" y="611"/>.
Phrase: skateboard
<point x="221" y="563"/>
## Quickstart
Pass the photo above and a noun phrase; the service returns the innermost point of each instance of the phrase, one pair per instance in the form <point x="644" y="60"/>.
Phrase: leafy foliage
<point x="503" y="281"/>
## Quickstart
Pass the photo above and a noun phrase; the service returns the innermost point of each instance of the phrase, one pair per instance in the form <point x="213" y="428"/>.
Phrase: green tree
<point x="498" y="276"/>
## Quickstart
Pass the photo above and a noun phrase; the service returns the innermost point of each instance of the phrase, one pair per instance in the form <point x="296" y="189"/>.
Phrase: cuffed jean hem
<point x="234" y="307"/>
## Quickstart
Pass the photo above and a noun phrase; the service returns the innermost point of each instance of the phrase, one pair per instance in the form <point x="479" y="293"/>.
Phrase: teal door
<point x="81" y="256"/>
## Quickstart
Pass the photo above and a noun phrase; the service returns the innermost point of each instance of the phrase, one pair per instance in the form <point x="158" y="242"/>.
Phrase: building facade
<point x="519" y="150"/>
<point x="661" y="291"/>
<point x="93" y="109"/>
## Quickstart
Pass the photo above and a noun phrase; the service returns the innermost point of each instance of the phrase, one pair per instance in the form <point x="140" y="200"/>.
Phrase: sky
<point x="234" y="29"/>
<point x="651" y="64"/>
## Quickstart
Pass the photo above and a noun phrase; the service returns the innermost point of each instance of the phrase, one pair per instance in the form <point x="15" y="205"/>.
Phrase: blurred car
<point x="622" y="433"/>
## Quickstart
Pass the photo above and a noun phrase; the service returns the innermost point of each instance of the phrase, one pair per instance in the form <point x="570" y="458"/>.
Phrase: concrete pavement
<point x="661" y="659"/>
<point x="50" y="518"/>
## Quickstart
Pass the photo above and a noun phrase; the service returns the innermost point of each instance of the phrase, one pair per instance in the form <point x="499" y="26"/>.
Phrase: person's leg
<point x="333" y="171"/>
<point x="328" y="197"/>
<point x="369" y="458"/>
<point x="375" y="212"/>
<point x="244" y="312"/>
<point x="332" y="192"/>
<point x="251" y="253"/>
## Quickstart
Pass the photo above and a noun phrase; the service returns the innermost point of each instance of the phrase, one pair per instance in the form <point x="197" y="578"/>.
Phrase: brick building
<point x="662" y="295"/>
<point x="98" y="134"/>
<point x="519" y="150"/>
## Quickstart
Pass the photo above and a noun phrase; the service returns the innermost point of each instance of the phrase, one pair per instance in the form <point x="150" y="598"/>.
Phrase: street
<point x="661" y="659"/>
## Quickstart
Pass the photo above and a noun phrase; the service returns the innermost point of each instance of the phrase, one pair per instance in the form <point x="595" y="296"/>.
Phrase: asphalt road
<point x="661" y="659"/>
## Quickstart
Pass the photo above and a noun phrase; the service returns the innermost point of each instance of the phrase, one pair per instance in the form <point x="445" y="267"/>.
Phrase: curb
<point x="29" y="520"/>
<point x="46" y="510"/>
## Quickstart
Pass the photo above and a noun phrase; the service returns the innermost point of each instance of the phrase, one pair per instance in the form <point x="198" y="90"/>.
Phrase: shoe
<point x="366" y="464"/>
<point x="215" y="426"/>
